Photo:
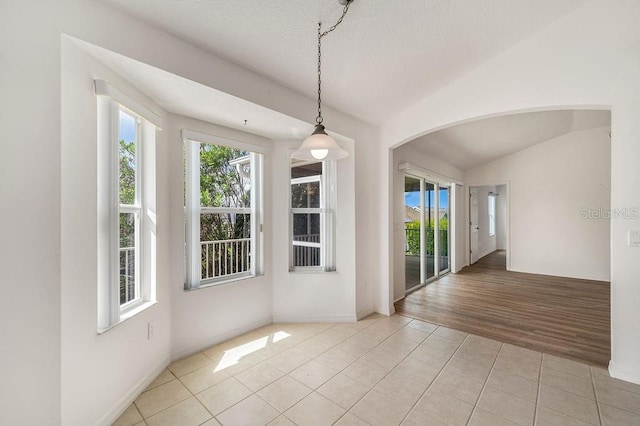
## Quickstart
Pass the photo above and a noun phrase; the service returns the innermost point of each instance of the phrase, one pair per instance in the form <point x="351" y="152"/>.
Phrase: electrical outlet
<point x="150" y="330"/>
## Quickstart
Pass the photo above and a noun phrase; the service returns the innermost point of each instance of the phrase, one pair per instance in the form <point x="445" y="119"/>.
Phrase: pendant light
<point x="321" y="146"/>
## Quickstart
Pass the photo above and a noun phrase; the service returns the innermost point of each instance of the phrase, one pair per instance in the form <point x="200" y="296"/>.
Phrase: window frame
<point x="327" y="209"/>
<point x="136" y="210"/>
<point x="193" y="210"/>
<point x="491" y="201"/>
<point x="110" y="102"/>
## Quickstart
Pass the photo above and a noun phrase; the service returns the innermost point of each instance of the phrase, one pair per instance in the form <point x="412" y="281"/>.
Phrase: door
<point x="430" y="231"/>
<point x="426" y="231"/>
<point x="413" y="206"/>
<point x="443" y="228"/>
<point x="473" y="224"/>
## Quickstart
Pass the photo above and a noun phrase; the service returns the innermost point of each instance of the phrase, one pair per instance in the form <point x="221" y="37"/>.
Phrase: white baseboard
<point x="219" y="338"/>
<point x="627" y="376"/>
<point x="116" y="411"/>
<point x="312" y="318"/>
<point x="363" y="314"/>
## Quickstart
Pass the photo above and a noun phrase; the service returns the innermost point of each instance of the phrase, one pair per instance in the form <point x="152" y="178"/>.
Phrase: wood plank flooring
<point x="561" y="316"/>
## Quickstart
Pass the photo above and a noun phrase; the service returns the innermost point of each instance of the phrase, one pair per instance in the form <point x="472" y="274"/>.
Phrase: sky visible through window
<point x="127" y="127"/>
<point x="412" y="199"/>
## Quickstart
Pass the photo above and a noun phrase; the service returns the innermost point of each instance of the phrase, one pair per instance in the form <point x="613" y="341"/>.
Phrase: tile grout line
<point x="382" y="331"/>
<point x="213" y="416"/>
<point x="348" y="410"/>
<point x="595" y="395"/>
<point x="439" y="372"/>
<point x="202" y="352"/>
<point x="281" y="413"/>
<point x="339" y="371"/>
<point x="535" y="413"/>
<point x="230" y="376"/>
<point x="484" y="386"/>
<point x="386" y="374"/>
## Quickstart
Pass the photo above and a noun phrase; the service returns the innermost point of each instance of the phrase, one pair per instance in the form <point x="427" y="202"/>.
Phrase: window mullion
<point x="139" y="197"/>
<point x="256" y="207"/>
<point x="114" y="215"/>
<point x="193" y="214"/>
<point x="328" y="205"/>
<point x="436" y="227"/>
<point x="226" y="210"/>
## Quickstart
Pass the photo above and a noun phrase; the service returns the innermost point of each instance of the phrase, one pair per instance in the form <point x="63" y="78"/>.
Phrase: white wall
<point x="50" y="351"/>
<point x="30" y="215"/>
<point x="313" y="296"/>
<point x="460" y="258"/>
<point x="366" y="157"/>
<point x="549" y="185"/>
<point x="103" y="26"/>
<point x="100" y="373"/>
<point x="501" y="217"/>
<point x="486" y="243"/>
<point x="584" y="59"/>
<point x="411" y="154"/>
<point x="213" y="314"/>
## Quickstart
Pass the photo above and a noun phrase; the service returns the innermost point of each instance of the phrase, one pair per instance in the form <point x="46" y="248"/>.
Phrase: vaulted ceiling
<point x="472" y="144"/>
<point x="384" y="57"/>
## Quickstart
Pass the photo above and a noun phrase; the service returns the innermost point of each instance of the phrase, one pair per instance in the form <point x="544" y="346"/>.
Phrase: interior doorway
<point x="488" y="222"/>
<point x="427" y="233"/>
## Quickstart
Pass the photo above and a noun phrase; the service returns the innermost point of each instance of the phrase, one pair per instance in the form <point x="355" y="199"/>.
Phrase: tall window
<point x="129" y="207"/>
<point x="223" y="206"/>
<point x="312" y="216"/>
<point x="126" y="206"/>
<point x="492" y="214"/>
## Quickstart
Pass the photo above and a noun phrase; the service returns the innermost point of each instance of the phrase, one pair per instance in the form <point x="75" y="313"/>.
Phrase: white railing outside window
<point x="306" y="250"/>
<point x="223" y="203"/>
<point x="312" y="221"/>
<point x="127" y="274"/>
<point x="225" y="258"/>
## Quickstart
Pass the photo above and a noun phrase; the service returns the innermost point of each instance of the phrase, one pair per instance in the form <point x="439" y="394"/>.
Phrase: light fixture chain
<point x="319" y="117"/>
<point x="344" y="13"/>
<point x="320" y="35"/>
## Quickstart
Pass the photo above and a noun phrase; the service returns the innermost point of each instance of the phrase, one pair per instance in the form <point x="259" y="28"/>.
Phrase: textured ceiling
<point x="384" y="57"/>
<point x="190" y="99"/>
<point x="475" y="143"/>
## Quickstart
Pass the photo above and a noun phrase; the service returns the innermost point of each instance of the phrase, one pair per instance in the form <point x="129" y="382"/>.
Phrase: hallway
<point x="562" y="316"/>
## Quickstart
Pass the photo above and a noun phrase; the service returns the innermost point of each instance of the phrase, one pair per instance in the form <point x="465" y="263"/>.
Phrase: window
<point x="492" y="214"/>
<point x="312" y="216"/>
<point x="126" y="206"/>
<point x="222" y="206"/>
<point x="129" y="207"/>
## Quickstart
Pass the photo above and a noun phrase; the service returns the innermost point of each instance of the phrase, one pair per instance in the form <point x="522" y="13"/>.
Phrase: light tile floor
<point x="379" y="371"/>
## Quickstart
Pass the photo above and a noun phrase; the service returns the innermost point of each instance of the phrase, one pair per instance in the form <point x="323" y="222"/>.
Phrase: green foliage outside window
<point x="221" y="185"/>
<point x="412" y="232"/>
<point x="127" y="188"/>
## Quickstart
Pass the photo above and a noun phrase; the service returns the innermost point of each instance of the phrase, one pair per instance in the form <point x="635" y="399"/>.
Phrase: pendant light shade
<point x="319" y="146"/>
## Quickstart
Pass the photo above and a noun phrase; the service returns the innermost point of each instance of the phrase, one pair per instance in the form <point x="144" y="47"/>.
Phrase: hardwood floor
<point x="561" y="316"/>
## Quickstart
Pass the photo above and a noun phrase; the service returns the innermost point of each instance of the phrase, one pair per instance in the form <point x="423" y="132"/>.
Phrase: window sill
<point x="311" y="270"/>
<point x="210" y="284"/>
<point x="130" y="313"/>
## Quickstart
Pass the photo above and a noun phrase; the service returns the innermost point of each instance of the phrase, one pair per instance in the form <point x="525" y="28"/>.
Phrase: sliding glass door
<point x="426" y="231"/>
<point x="429" y="269"/>
<point x="444" y="235"/>
<point x="412" y="231"/>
